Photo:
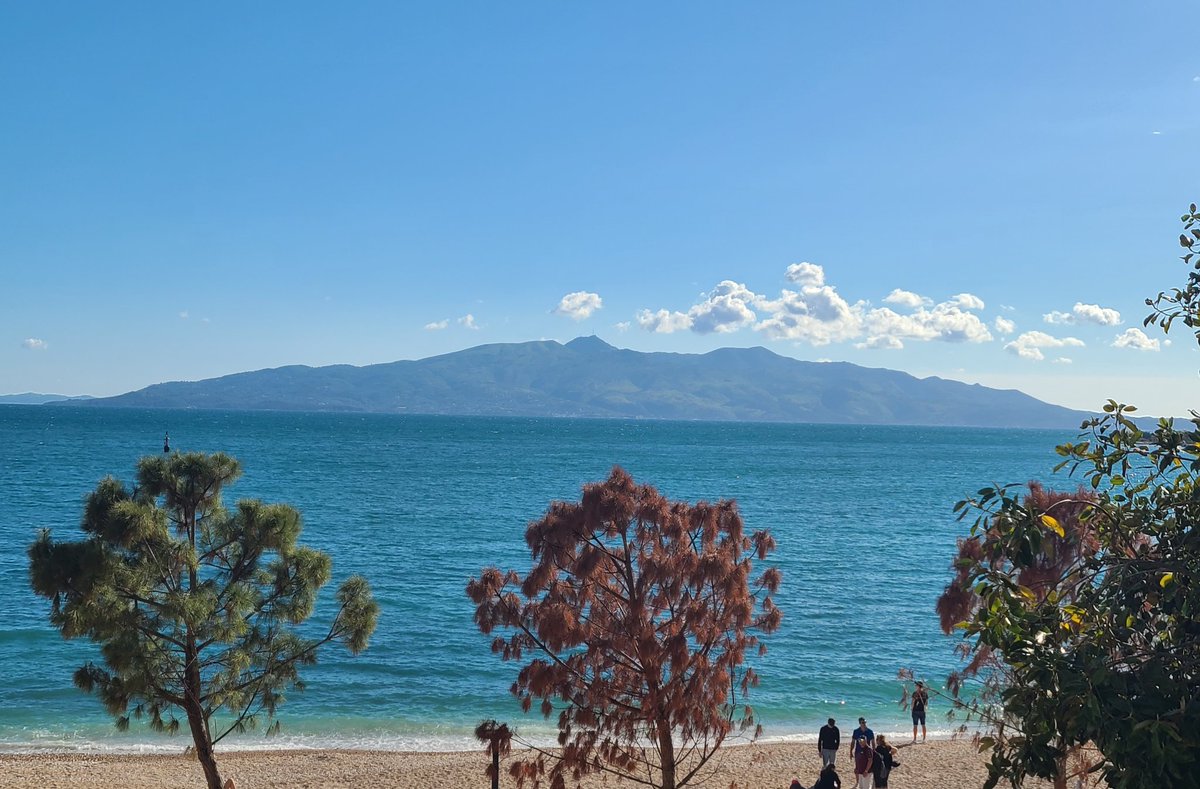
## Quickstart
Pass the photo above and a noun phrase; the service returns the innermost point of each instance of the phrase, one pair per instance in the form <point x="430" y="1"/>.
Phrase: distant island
<point x="34" y="398"/>
<point x="587" y="377"/>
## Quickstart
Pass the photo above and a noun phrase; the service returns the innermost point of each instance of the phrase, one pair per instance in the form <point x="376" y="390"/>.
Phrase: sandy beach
<point x="933" y="765"/>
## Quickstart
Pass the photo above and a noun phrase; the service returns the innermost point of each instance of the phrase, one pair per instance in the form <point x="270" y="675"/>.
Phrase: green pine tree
<point x="193" y="605"/>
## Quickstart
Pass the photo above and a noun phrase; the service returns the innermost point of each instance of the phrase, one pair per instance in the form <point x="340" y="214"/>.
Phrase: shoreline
<point x="166" y="746"/>
<point x="931" y="765"/>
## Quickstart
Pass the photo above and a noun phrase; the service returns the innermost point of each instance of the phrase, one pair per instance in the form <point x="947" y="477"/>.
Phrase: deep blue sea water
<point x="418" y="504"/>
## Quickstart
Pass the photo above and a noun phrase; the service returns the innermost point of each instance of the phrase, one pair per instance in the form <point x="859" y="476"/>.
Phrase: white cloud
<point x="1029" y="344"/>
<point x="623" y="326"/>
<point x="1084" y="313"/>
<point x="816" y="314"/>
<point x="1094" y="313"/>
<point x="806" y="274"/>
<point x="886" y="342"/>
<point x="1156" y="133"/>
<point x="906" y="298"/>
<point x="34" y="344"/>
<point x="1004" y="325"/>
<point x="468" y="321"/>
<point x="726" y="309"/>
<point x="947" y="322"/>
<point x="1062" y="360"/>
<point x="663" y="321"/>
<point x="184" y="315"/>
<point x="579" y="305"/>
<point x="437" y="325"/>
<point x="967" y="301"/>
<point x="1137" y="340"/>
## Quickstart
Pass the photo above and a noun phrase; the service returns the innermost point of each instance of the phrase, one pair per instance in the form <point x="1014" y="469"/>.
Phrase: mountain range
<point x="587" y="377"/>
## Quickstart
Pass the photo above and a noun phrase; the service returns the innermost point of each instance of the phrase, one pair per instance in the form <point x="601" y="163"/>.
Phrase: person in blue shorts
<point x="920" y="700"/>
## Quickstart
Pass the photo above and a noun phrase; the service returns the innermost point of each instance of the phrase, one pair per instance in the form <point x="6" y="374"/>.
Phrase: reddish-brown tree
<point x="640" y="612"/>
<point x="1057" y="568"/>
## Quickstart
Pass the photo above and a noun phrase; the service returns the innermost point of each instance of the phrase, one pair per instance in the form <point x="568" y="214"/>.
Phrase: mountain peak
<point x="589" y="344"/>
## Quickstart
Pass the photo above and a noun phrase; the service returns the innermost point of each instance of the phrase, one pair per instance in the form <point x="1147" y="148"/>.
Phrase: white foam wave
<point x="42" y="741"/>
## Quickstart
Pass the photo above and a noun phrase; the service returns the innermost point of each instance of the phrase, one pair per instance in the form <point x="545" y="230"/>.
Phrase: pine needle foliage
<point x="635" y="620"/>
<point x="194" y="606"/>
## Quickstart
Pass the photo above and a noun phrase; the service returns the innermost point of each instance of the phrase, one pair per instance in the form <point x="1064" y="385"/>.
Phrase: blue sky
<point x="187" y="192"/>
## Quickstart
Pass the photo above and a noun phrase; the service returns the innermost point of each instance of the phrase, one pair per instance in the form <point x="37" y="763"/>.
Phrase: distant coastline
<point x="35" y="398"/>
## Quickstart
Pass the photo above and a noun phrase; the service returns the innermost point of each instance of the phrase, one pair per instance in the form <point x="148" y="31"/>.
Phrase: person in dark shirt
<point x="920" y="700"/>
<point x="828" y="741"/>
<point x="829" y="779"/>
<point x="885" y="762"/>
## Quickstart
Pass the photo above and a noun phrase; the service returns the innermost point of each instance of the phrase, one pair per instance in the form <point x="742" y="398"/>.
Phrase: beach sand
<point x="934" y="765"/>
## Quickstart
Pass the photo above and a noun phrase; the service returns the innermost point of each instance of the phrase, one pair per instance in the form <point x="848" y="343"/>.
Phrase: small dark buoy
<point x="166" y="442"/>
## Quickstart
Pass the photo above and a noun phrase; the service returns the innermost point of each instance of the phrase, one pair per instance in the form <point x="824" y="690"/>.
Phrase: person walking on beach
<point x="860" y="733"/>
<point x="864" y="762"/>
<point x="920" y="700"/>
<point x="827" y="742"/>
<point x="885" y="762"/>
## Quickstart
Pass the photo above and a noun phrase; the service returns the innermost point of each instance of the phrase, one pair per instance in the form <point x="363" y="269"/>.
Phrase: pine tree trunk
<point x="495" y="766"/>
<point x="195" y="714"/>
<point x="666" y="753"/>
<point x="191" y="679"/>
<point x="204" y="751"/>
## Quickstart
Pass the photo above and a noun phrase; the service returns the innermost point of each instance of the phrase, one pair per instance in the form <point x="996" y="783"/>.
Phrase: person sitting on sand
<point x="829" y="779"/>
<point x="796" y="784"/>
<point x="864" y="762"/>
<point x="920" y="700"/>
<point x="885" y="762"/>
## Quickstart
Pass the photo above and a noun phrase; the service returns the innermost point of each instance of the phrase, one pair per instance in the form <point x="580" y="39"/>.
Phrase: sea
<point x="419" y="504"/>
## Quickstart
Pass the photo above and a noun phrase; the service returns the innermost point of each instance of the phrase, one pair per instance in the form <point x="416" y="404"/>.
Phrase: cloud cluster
<point x="949" y="321"/>
<point x="727" y="308"/>
<point x="34" y="344"/>
<point x="1085" y="313"/>
<point x="813" y="312"/>
<point x="1029" y="345"/>
<point x="579" y="305"/>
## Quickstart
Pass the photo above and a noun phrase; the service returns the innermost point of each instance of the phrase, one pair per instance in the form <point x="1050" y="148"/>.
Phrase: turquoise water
<point x="862" y="516"/>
